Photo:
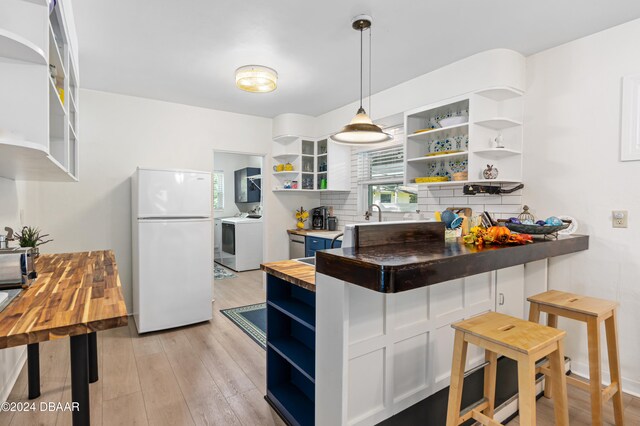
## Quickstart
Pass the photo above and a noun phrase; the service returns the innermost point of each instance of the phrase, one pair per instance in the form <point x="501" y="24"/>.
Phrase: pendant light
<point x="361" y="130"/>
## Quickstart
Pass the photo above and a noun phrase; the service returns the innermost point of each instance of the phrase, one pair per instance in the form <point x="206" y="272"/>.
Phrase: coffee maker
<point x="319" y="218"/>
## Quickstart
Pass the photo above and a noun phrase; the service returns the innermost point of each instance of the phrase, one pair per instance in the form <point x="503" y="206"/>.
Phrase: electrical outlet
<point x="619" y="218"/>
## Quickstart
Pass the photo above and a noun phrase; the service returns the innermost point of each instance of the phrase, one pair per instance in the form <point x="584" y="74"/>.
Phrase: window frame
<point x="363" y="186"/>
<point x="220" y="174"/>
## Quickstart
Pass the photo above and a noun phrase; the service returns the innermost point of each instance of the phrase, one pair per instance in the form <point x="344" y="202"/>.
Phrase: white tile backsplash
<point x="430" y="200"/>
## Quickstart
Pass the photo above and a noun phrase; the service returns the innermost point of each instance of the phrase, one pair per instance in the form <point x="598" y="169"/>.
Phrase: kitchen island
<point x="377" y="321"/>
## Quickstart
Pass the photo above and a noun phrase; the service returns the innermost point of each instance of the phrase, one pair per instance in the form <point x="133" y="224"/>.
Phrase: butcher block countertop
<point x="294" y="272"/>
<point x="75" y="293"/>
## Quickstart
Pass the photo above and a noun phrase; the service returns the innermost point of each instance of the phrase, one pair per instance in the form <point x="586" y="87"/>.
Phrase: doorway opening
<point x="238" y="211"/>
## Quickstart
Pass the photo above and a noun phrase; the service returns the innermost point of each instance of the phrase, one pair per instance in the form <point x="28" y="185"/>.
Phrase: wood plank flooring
<point x="207" y="374"/>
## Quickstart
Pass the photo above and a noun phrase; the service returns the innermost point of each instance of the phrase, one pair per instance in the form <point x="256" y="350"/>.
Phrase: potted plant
<point x="30" y="237"/>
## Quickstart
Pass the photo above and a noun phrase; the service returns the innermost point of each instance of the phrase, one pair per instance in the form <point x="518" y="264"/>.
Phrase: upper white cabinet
<point x="310" y="164"/>
<point x="462" y="134"/>
<point x="39" y="109"/>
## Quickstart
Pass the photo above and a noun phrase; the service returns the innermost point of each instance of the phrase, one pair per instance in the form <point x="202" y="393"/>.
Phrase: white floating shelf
<point x="29" y="161"/>
<point x="285" y="157"/>
<point x="497" y="152"/>
<point x="499" y="123"/>
<point x="286" y="173"/>
<point x="455" y="130"/>
<point x="310" y="190"/>
<point x="437" y="157"/>
<point x="500" y="93"/>
<point x="466" y="182"/>
<point x="286" y="139"/>
<point x="16" y="47"/>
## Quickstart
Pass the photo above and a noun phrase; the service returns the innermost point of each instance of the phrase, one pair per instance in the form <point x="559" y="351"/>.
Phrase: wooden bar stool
<point x="593" y="312"/>
<point x="522" y="341"/>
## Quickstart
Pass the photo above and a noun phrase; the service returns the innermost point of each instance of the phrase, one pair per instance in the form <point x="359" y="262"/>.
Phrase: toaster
<point x="17" y="267"/>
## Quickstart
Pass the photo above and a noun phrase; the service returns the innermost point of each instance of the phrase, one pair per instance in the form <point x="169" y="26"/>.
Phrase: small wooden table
<point x="75" y="295"/>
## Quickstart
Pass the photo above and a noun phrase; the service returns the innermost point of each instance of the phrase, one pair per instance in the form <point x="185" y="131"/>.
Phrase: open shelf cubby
<point x="291" y="351"/>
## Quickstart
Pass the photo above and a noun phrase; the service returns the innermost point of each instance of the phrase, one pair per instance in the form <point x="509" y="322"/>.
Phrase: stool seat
<point x="575" y="303"/>
<point x="523" y="341"/>
<point x="514" y="333"/>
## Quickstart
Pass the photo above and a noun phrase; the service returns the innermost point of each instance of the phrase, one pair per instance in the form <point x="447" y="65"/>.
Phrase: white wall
<point x="229" y="163"/>
<point x="119" y="133"/>
<point x="10" y="359"/>
<point x="497" y="67"/>
<point x="571" y="166"/>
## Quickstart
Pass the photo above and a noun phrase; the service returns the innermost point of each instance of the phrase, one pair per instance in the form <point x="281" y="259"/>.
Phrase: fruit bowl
<point x="535" y="229"/>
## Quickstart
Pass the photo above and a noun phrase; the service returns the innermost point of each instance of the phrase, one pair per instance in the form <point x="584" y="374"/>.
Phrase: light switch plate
<point x="620" y="218"/>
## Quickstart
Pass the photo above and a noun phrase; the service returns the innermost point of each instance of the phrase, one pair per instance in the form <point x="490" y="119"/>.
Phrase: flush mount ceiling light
<point x="256" y="79"/>
<point x="361" y="129"/>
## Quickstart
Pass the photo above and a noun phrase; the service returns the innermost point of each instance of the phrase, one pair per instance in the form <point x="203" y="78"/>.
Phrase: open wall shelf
<point x="40" y="108"/>
<point x="493" y="115"/>
<point x="16" y="47"/>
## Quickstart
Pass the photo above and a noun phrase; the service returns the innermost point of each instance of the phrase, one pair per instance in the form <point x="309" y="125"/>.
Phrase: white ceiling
<point x="187" y="51"/>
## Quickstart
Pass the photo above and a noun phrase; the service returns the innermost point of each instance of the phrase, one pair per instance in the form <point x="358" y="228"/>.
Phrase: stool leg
<point x="595" y="378"/>
<point x="527" y="391"/>
<point x="490" y="372"/>
<point x="559" y="382"/>
<point x="552" y="321"/>
<point x="614" y="366"/>
<point x="457" y="378"/>
<point x="534" y="313"/>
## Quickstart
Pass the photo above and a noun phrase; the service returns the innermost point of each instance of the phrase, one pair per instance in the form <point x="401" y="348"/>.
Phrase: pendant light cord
<point x="361" y="83"/>
<point x="369" y="71"/>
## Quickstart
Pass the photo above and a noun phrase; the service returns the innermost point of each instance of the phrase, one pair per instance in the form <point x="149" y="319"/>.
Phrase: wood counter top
<point x="393" y="268"/>
<point x="294" y="272"/>
<point x="75" y="293"/>
<point x="305" y="232"/>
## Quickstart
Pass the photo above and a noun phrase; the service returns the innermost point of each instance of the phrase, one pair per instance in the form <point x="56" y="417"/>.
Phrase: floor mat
<point x="252" y="319"/>
<point x="220" y="273"/>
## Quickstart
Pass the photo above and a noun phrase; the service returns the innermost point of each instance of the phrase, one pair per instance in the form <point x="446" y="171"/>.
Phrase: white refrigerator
<point x="172" y="248"/>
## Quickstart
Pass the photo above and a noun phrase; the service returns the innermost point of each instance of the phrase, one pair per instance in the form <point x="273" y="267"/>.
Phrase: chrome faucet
<point x="369" y="212"/>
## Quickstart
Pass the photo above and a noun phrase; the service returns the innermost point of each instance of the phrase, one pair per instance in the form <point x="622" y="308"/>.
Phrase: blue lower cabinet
<point x="315" y="243"/>
<point x="291" y="351"/>
<point x="312" y="244"/>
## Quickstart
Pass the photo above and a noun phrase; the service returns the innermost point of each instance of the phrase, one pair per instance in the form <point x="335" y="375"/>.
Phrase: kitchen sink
<point x="308" y="260"/>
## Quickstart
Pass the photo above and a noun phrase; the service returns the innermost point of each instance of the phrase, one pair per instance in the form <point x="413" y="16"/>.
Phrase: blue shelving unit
<point x="291" y="348"/>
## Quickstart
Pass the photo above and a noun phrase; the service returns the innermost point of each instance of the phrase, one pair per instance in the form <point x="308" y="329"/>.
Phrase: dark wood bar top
<point x="294" y="272"/>
<point x="75" y="293"/>
<point x="393" y="268"/>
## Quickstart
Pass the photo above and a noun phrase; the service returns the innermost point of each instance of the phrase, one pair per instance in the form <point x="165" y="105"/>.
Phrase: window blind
<point x="384" y="164"/>
<point x="218" y="190"/>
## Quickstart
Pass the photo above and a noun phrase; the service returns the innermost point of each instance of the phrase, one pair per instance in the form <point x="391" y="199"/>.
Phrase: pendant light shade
<point x="256" y="79"/>
<point x="361" y="130"/>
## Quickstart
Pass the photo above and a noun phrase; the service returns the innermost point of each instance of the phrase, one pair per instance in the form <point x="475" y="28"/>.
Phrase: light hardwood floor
<point x="206" y="374"/>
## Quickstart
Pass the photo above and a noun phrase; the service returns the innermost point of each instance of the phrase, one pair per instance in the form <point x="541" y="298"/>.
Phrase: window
<point x="381" y="176"/>
<point x="218" y="190"/>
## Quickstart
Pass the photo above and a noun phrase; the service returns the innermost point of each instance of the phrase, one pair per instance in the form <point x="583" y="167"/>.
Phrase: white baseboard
<point x="629" y="386"/>
<point x="13" y="375"/>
